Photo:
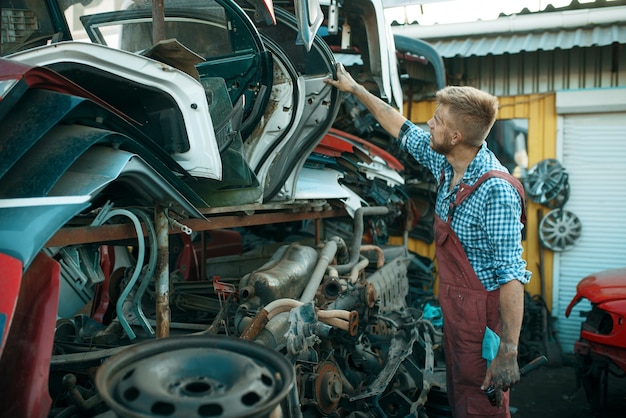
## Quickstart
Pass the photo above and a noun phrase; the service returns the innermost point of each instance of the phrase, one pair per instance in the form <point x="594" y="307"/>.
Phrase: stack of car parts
<point x="110" y="131"/>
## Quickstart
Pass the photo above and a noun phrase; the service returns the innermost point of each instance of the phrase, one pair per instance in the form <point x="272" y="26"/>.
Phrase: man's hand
<point x="389" y="118"/>
<point x="503" y="372"/>
<point x="344" y="81"/>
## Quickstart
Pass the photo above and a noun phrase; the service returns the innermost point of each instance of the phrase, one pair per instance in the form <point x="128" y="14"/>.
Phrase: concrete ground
<point x="551" y="392"/>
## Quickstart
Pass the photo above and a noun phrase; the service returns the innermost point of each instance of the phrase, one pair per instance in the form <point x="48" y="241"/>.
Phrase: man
<point x="478" y="223"/>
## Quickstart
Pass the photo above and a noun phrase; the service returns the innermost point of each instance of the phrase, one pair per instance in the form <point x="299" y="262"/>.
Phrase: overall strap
<point x="465" y="191"/>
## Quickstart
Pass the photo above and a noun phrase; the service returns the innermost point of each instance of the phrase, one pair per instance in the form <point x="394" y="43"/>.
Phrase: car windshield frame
<point x="226" y="19"/>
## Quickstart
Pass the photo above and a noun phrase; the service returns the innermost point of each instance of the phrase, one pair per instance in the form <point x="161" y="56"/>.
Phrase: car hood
<point x="601" y="287"/>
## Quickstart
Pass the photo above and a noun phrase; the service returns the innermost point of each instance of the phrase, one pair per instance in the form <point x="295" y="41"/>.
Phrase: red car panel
<point x="28" y="349"/>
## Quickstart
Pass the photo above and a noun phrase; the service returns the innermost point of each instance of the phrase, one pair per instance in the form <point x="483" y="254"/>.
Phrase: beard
<point x="443" y="147"/>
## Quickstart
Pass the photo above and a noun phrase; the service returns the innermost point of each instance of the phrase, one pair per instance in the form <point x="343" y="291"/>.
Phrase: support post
<point x="158" y="21"/>
<point x="162" y="273"/>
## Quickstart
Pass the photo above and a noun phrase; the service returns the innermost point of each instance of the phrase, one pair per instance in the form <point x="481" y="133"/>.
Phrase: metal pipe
<point x="146" y="273"/>
<point x="358" y="234"/>
<point x="255" y="326"/>
<point x="281" y="305"/>
<point x="121" y="303"/>
<point x="380" y="260"/>
<point x="162" y="273"/>
<point x="340" y="324"/>
<point x="326" y="256"/>
<point x="354" y="273"/>
<point x="336" y="313"/>
<point x="345" y="320"/>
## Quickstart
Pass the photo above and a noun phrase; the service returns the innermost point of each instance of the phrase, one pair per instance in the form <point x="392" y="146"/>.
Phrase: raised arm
<point x="389" y="118"/>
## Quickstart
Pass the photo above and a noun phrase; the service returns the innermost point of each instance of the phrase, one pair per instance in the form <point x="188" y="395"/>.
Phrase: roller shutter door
<point x="594" y="155"/>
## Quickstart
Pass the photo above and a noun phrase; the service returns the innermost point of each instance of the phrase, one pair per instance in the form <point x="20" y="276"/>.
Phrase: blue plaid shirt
<point x="488" y="221"/>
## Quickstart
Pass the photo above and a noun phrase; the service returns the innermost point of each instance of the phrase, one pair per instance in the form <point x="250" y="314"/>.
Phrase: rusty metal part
<point x="380" y="260"/>
<point x="330" y="289"/>
<point x="266" y="314"/>
<point x="162" y="274"/>
<point x="372" y="295"/>
<point x="328" y="387"/>
<point x="348" y="321"/>
<point x="69" y="382"/>
<point x="342" y="319"/>
<point x="220" y="220"/>
<point x="255" y="326"/>
<point x="338" y="323"/>
<point x="336" y="313"/>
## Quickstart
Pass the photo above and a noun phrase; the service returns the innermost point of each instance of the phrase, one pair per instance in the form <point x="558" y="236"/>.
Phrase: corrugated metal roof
<point x="547" y="41"/>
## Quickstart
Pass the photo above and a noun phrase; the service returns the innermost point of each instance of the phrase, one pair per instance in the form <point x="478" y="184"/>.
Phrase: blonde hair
<point x="473" y="111"/>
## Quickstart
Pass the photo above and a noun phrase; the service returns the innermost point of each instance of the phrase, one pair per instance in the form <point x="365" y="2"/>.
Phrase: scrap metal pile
<point x="337" y="313"/>
<point x="104" y="128"/>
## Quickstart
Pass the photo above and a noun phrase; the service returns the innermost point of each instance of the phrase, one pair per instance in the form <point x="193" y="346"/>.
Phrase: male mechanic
<point x="478" y="226"/>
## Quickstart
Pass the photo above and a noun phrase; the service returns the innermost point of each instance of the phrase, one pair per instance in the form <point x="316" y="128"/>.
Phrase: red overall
<point x="467" y="309"/>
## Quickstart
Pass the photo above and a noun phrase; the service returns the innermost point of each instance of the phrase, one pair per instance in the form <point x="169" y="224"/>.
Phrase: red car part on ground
<point x="601" y="348"/>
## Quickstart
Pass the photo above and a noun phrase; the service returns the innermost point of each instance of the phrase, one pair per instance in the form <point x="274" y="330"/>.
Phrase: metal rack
<point x="215" y="218"/>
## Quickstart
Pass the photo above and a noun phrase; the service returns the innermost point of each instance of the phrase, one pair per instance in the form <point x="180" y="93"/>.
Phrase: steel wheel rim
<point x="195" y="376"/>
